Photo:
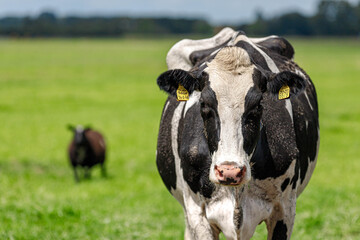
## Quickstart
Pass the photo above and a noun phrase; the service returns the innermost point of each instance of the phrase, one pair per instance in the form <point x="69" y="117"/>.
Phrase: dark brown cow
<point x="86" y="149"/>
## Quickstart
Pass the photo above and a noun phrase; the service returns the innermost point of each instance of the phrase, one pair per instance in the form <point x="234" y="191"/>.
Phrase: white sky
<point x="216" y="11"/>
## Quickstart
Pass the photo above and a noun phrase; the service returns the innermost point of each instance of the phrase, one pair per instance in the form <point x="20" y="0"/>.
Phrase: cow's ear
<point x="169" y="81"/>
<point x="87" y="128"/>
<point x="285" y="84"/>
<point x="70" y="127"/>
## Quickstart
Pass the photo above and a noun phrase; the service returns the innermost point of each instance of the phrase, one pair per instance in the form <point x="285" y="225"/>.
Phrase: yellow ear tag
<point x="284" y="92"/>
<point x="182" y="94"/>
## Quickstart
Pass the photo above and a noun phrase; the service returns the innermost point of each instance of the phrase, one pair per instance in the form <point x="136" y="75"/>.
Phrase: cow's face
<point x="231" y="110"/>
<point x="231" y="88"/>
<point x="79" y="134"/>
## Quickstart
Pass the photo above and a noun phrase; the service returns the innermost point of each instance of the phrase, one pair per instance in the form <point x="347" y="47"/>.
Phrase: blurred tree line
<point x="336" y="18"/>
<point x="48" y="25"/>
<point x="333" y="18"/>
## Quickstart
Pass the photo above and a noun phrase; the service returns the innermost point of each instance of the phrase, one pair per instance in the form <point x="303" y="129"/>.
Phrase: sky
<point x="215" y="11"/>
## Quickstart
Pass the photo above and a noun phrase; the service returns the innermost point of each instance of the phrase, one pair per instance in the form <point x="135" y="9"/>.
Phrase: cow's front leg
<point x="198" y="228"/>
<point x="281" y="221"/>
<point x="197" y="225"/>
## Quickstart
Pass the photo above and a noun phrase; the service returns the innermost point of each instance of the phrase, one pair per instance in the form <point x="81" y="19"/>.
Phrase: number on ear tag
<point x="284" y="92"/>
<point x="182" y="94"/>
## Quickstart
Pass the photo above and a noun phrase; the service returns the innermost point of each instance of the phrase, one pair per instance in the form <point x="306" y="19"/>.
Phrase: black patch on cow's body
<point x="210" y="116"/>
<point x="303" y="142"/>
<point x="165" y="159"/>
<point x="276" y="148"/>
<point x="250" y="120"/>
<point x="254" y="54"/>
<point x="306" y="136"/>
<point x="263" y="163"/>
<point x="280" y="231"/>
<point x="198" y="137"/>
<point x="277" y="145"/>
<point x="238" y="217"/>
<point x="198" y="57"/>
<point x="194" y="152"/>
<point x="285" y="184"/>
<point x="278" y="45"/>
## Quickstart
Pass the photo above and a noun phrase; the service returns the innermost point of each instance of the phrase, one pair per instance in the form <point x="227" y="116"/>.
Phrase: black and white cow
<point x="235" y="155"/>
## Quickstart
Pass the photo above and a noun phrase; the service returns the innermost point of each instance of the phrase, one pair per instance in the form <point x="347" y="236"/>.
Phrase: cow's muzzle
<point x="230" y="174"/>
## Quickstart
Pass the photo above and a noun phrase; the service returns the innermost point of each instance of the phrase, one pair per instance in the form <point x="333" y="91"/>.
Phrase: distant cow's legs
<point x="103" y="170"/>
<point x="87" y="173"/>
<point x="76" y="175"/>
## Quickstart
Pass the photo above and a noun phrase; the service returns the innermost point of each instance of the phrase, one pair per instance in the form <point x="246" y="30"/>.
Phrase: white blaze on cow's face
<point x="79" y="134"/>
<point x="230" y="78"/>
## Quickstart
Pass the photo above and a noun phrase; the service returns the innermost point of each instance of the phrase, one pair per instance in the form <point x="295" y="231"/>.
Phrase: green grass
<point x="110" y="84"/>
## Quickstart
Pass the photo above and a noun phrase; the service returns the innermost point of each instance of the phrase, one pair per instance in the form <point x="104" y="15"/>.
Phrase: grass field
<point x="110" y="84"/>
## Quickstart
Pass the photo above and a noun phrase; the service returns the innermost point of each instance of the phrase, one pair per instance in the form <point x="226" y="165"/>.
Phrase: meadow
<point x="110" y="84"/>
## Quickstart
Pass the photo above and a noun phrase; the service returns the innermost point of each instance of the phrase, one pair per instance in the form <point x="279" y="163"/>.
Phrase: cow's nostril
<point x="218" y="172"/>
<point x="242" y="172"/>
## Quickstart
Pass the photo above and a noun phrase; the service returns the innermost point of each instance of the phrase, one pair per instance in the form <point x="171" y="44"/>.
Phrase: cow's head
<point x="232" y="88"/>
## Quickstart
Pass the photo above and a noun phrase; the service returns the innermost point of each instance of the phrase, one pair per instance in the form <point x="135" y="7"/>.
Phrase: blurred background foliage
<point x="332" y="18"/>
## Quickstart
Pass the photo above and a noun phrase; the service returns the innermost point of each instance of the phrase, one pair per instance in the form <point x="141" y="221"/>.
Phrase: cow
<point x="86" y="149"/>
<point x="239" y="134"/>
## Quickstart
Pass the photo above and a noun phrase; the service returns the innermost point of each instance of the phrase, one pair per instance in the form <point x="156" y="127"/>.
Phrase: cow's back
<point x="97" y="143"/>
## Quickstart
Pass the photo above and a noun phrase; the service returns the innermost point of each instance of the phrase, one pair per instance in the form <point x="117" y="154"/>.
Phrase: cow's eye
<point x="211" y="127"/>
<point x="253" y="113"/>
<point x="202" y="104"/>
<point x="207" y="112"/>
